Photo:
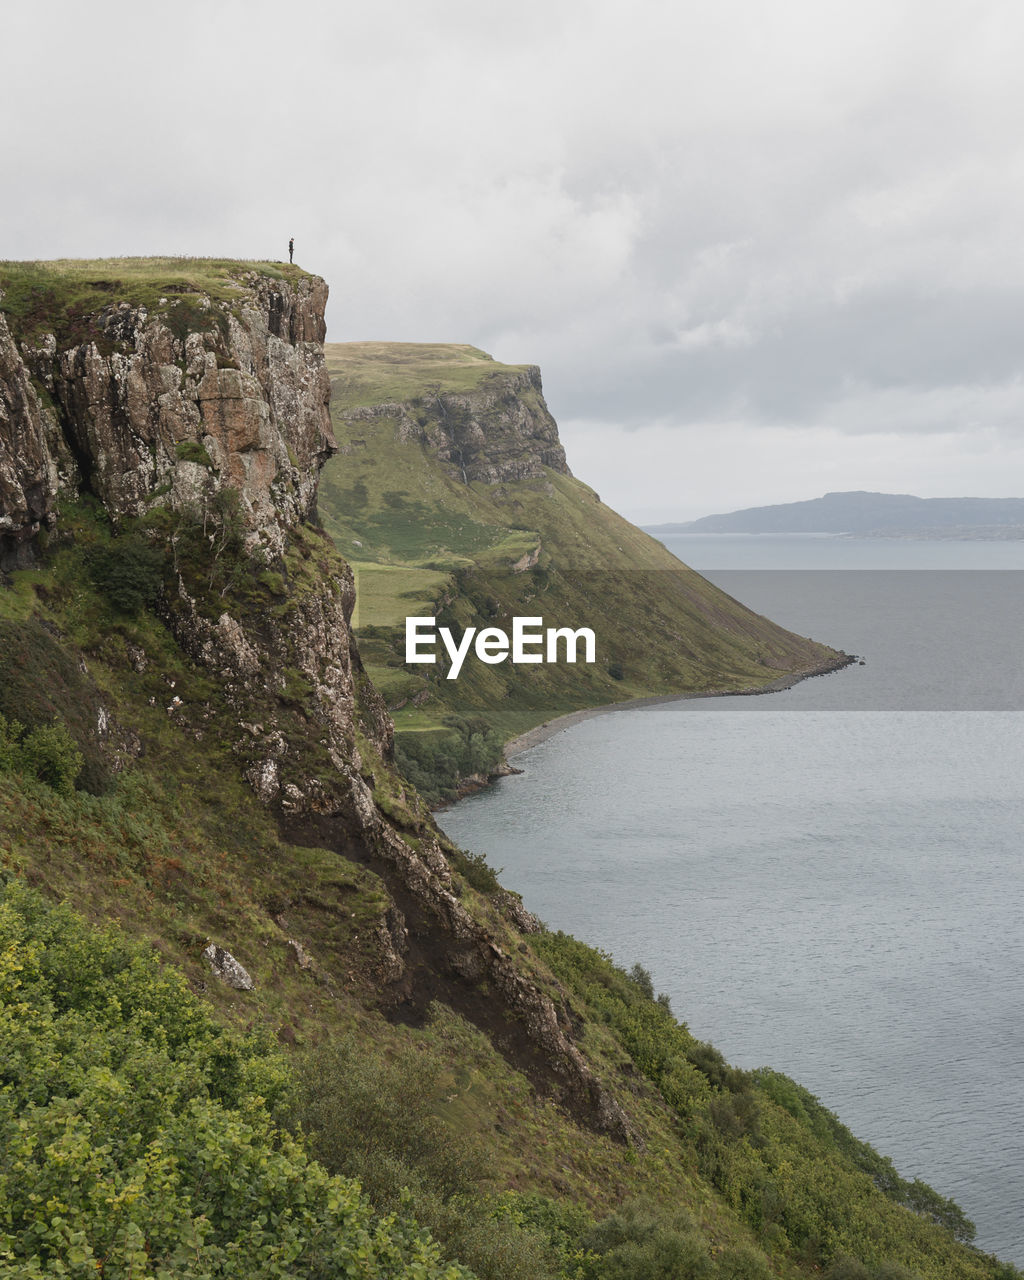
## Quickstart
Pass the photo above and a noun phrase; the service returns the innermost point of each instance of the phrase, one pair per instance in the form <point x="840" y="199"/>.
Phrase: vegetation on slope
<point x="730" y="1175"/>
<point x="424" y="540"/>
<point x="148" y="1127"/>
<point x="139" y="1136"/>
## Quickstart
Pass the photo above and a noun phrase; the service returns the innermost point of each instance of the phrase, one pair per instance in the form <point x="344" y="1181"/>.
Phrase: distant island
<point x="877" y="515"/>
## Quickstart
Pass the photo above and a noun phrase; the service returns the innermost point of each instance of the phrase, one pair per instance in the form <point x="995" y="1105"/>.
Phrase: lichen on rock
<point x="148" y="412"/>
<point x="227" y="968"/>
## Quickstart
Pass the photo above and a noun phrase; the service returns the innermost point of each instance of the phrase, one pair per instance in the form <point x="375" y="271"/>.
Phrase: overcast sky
<point x="759" y="248"/>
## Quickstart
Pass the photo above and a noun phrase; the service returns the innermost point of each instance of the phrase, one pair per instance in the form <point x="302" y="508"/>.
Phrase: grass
<point x="369" y="373"/>
<point x="58" y="296"/>
<point x="386" y="594"/>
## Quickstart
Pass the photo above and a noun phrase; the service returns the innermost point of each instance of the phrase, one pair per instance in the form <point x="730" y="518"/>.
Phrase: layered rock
<point x="171" y="406"/>
<point x="497" y="432"/>
<point x="31" y="457"/>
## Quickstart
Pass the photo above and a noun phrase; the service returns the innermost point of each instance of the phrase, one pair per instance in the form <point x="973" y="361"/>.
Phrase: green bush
<point x="475" y="870"/>
<point x="139" y="1137"/>
<point x="51" y="755"/>
<point x="639" y="1243"/>
<point x="193" y="451"/>
<point x="48" y="753"/>
<point x="128" y="570"/>
<point x="372" y="1119"/>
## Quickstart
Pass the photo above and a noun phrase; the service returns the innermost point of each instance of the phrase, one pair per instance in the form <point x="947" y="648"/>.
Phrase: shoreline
<point x="534" y="737"/>
<point x="475" y="783"/>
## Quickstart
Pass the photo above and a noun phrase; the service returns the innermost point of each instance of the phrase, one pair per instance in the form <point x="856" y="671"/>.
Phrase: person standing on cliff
<point x="291" y="249"/>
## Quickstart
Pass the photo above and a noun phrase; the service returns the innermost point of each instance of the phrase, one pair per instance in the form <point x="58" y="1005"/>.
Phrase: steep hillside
<point x="189" y="747"/>
<point x="451" y="497"/>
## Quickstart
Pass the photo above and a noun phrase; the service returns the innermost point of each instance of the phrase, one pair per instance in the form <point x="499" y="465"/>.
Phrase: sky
<point x="760" y="249"/>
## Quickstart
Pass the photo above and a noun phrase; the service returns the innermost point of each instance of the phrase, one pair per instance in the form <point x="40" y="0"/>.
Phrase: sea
<point x="828" y="880"/>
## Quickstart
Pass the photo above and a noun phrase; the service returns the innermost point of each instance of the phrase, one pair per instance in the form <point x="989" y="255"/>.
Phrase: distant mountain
<point x="877" y="514"/>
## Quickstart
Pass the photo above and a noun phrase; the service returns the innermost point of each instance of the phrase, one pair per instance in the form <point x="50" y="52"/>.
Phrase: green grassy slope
<point x="423" y="541"/>
<point x="732" y="1175"/>
<point x="155" y="1122"/>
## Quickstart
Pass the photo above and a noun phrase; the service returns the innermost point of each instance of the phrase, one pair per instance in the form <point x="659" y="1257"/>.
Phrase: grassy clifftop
<point x="368" y="373"/>
<point x="51" y="297"/>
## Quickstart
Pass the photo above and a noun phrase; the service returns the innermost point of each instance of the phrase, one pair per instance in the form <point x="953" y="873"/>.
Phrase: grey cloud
<point x="795" y="213"/>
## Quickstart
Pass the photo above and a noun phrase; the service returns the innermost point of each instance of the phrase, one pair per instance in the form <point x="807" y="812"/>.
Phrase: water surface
<point x="827" y="880"/>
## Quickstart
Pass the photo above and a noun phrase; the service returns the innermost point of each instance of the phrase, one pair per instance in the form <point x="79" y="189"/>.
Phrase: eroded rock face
<point x="31" y="457"/>
<point x="524" y="1021"/>
<point x="170" y="408"/>
<point x="498" y="432"/>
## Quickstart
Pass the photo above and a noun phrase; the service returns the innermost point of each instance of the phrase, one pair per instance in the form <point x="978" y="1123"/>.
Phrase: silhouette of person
<point x="291" y="249"/>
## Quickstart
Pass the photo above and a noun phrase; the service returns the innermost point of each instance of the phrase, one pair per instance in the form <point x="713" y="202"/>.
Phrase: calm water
<point x="838" y="892"/>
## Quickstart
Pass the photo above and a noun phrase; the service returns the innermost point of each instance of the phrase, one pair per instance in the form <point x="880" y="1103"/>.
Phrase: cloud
<point x="794" y="216"/>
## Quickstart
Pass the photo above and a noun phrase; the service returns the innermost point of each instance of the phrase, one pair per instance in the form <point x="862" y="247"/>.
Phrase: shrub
<point x="639" y="1243"/>
<point x="139" y="1138"/>
<point x="642" y="978"/>
<point x="51" y="754"/>
<point x="193" y="451"/>
<point x="372" y="1119"/>
<point x="129" y="572"/>
<point x="48" y="753"/>
<point x="475" y="870"/>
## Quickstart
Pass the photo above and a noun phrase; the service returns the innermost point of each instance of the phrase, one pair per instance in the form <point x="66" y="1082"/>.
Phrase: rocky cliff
<point x="199" y="422"/>
<point x="170" y="405"/>
<point x="483" y="421"/>
<point x="499" y="431"/>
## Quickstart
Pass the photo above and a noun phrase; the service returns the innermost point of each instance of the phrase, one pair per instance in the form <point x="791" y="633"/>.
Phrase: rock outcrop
<point x="227" y="969"/>
<point x="497" y="432"/>
<point x="33" y="457"/>
<point x="170" y="407"/>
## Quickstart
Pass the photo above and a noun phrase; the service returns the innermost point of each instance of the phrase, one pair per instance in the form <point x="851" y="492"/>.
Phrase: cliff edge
<point x="191" y="408"/>
<point x="165" y="396"/>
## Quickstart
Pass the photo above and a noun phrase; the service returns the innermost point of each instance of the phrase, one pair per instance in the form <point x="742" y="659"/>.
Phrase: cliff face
<point x="171" y="407"/>
<point x="33" y="456"/>
<point x="497" y="432"/>
<point x="209" y="417"/>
